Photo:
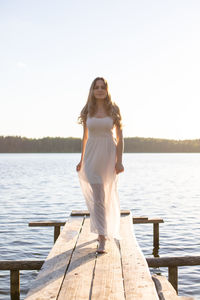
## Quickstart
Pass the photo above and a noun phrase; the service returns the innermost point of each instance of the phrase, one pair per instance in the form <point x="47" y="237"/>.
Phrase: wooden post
<point x="156" y="235"/>
<point x="155" y="252"/>
<point x="14" y="285"/>
<point x="173" y="277"/>
<point x="56" y="232"/>
<point x="155" y="221"/>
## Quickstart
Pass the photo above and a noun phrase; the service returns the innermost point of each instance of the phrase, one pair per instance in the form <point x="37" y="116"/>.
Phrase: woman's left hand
<point x="119" y="167"/>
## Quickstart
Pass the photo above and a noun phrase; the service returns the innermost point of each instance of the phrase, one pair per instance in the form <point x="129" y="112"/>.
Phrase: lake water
<point x="35" y="187"/>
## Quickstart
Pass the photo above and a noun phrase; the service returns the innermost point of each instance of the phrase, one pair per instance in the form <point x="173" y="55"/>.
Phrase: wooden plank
<point x="165" y="290"/>
<point x="139" y="219"/>
<point x="46" y="223"/>
<point x="173" y="261"/>
<point x="155" y="220"/>
<point x="86" y="212"/>
<point x="138" y="284"/>
<point x="21" y="264"/>
<point x="78" y="279"/>
<point x="145" y="220"/>
<point x="47" y="284"/>
<point x="108" y="280"/>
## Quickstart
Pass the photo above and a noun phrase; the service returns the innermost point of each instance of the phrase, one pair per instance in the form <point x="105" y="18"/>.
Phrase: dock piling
<point x="156" y="235"/>
<point x="173" y="276"/>
<point x="14" y="285"/>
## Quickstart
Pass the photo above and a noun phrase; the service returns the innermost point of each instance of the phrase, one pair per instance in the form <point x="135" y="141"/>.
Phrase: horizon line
<point x="75" y="137"/>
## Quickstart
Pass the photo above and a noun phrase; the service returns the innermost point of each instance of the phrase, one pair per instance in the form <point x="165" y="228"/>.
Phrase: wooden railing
<point x="136" y="220"/>
<point x="173" y="263"/>
<point x="54" y="224"/>
<point x="155" y="222"/>
<point x="14" y="267"/>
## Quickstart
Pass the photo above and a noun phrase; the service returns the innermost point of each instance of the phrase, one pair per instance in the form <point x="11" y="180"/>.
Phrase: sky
<point x="148" y="51"/>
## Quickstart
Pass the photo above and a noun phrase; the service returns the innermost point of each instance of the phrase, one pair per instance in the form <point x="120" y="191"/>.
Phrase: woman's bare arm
<point x="84" y="141"/>
<point x="120" y="147"/>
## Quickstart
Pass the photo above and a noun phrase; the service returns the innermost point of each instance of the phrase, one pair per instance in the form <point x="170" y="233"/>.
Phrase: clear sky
<point x="149" y="52"/>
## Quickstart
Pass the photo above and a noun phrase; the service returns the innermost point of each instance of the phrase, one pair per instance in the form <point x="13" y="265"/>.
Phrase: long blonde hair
<point x="90" y="107"/>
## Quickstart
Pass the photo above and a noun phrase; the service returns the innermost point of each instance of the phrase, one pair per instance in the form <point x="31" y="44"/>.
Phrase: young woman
<point x="101" y="161"/>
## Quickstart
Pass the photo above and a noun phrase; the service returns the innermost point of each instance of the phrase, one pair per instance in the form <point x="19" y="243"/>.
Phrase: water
<point x="36" y="187"/>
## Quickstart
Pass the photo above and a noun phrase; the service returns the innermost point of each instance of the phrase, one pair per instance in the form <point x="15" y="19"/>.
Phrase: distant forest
<point x="17" y="144"/>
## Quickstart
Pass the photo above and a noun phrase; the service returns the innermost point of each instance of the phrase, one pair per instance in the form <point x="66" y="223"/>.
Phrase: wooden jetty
<point x="74" y="270"/>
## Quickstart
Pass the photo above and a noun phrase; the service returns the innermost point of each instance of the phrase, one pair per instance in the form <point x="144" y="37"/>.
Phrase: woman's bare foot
<point x="102" y="242"/>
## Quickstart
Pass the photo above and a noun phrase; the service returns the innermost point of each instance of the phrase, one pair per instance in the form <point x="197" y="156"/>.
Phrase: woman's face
<point x="99" y="90"/>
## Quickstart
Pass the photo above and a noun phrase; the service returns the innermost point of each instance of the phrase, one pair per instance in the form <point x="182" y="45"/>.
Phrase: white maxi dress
<point x="98" y="178"/>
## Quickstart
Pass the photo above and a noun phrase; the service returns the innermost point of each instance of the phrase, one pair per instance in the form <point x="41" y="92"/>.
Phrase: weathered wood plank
<point x="47" y="284"/>
<point x="108" y="280"/>
<point x="21" y="264"/>
<point x="155" y="220"/>
<point x="86" y="212"/>
<point x="173" y="261"/>
<point x="78" y="279"/>
<point x="46" y="223"/>
<point x="146" y="220"/>
<point x="165" y="290"/>
<point x="139" y="219"/>
<point x="138" y="284"/>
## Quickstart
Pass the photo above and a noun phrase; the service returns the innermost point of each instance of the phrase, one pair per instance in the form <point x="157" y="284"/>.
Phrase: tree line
<point x="18" y="144"/>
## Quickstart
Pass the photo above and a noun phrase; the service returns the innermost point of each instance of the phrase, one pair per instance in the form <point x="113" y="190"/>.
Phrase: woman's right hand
<point x="78" y="167"/>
